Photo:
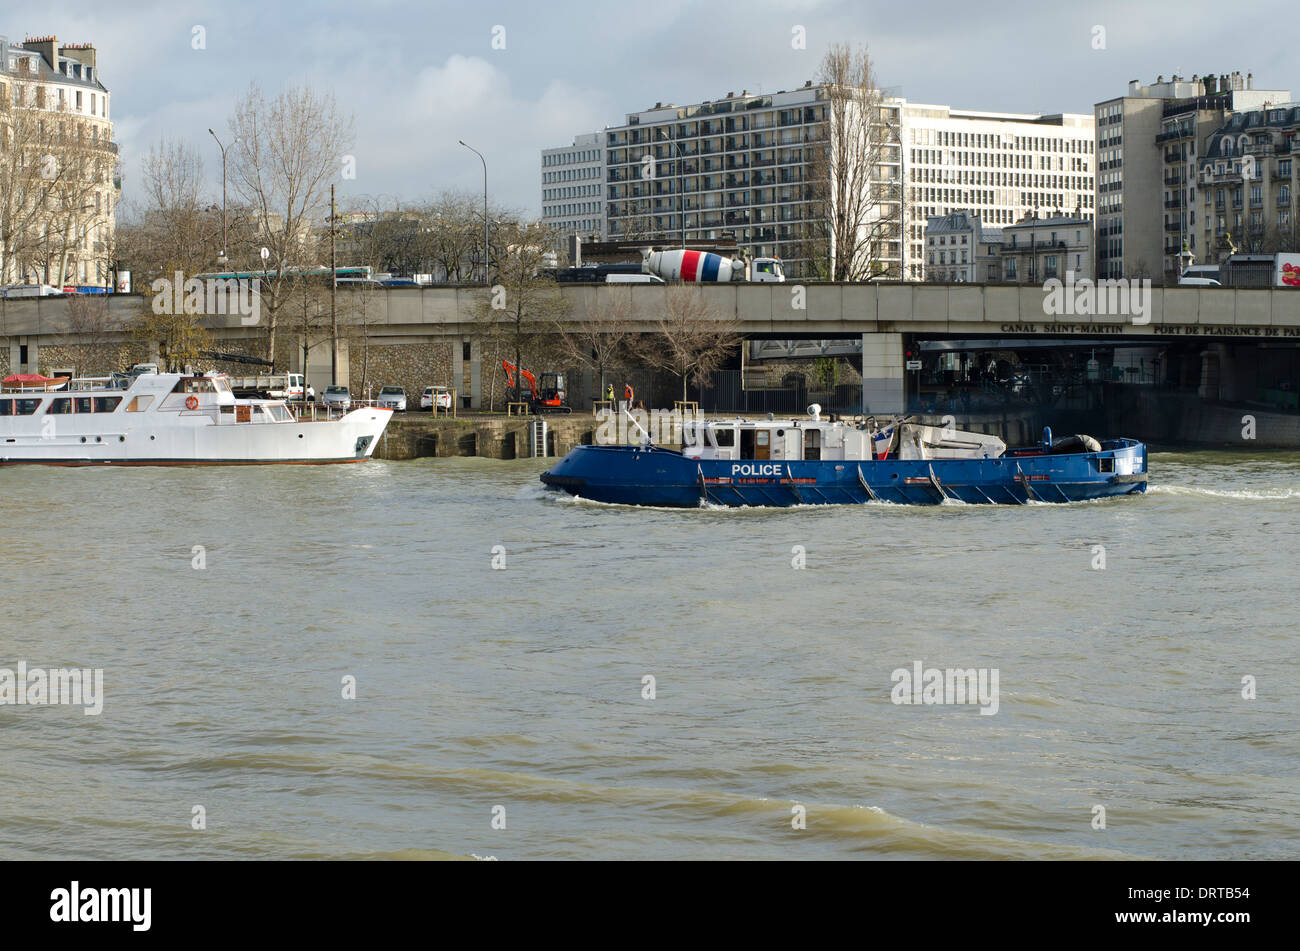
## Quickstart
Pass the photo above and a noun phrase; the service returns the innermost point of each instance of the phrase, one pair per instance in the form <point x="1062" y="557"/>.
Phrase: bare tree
<point x="599" y="340"/>
<point x="690" y="339"/>
<point x="286" y="150"/>
<point x="173" y="227"/>
<point x="855" y="182"/>
<point x="94" y="328"/>
<point x="518" y="314"/>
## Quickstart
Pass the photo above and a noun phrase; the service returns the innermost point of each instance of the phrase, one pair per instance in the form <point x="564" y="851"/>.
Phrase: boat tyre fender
<point x="1076" y="443"/>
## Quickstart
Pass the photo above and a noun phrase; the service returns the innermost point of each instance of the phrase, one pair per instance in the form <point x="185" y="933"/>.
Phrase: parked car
<point x="439" y="394"/>
<point x="392" y="397"/>
<point x="339" y="396"/>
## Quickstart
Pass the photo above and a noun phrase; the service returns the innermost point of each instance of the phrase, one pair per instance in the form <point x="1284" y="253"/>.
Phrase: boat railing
<point x="319" y="412"/>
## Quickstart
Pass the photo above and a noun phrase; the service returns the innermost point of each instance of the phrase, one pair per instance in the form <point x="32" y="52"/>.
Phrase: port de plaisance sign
<point x="1159" y="330"/>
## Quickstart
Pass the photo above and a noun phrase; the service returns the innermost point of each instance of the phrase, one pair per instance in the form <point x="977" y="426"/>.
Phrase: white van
<point x="1198" y="282"/>
<point x="633" y="279"/>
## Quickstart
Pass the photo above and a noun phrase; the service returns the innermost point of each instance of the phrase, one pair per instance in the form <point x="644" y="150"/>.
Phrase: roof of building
<point x="1054" y="221"/>
<point x="954" y="222"/>
<point x="1284" y="115"/>
<point x="45" y="70"/>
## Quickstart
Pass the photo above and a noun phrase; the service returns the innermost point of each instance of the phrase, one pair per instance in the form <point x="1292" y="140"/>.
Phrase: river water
<point x="524" y="688"/>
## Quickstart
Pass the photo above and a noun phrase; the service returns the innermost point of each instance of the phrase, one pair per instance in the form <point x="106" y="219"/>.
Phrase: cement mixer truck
<point x="707" y="267"/>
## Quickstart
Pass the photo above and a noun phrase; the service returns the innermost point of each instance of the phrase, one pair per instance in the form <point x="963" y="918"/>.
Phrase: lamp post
<point x="485" y="207"/>
<point x="681" y="182"/>
<point x="221" y="258"/>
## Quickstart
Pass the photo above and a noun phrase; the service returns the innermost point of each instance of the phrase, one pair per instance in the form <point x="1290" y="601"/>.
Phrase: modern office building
<point x="999" y="167"/>
<point x="572" y="185"/>
<point x="1149" y="143"/>
<point x="56" y="112"/>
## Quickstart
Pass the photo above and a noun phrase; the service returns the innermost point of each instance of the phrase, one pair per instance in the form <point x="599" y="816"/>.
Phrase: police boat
<point x="826" y="461"/>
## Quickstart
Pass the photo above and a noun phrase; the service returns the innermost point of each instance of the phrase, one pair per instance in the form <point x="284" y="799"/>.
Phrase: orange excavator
<point x="548" y="398"/>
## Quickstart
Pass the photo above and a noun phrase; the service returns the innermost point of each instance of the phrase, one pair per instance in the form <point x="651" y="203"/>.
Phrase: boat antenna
<point x="632" y="420"/>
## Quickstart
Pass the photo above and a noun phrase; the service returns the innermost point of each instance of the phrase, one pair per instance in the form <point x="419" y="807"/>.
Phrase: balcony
<point x="1173" y="226"/>
<point x="1283" y="200"/>
<point x="1173" y="181"/>
<point x="1279" y="175"/>
<point x="1173" y="135"/>
<point x="1174" y="203"/>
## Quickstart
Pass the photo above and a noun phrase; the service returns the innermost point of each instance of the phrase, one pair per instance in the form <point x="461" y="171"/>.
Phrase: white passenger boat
<point x="155" y="419"/>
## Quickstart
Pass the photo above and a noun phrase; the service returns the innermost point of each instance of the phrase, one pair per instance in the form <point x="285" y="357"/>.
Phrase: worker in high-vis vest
<point x="609" y="394"/>
<point x="627" y="396"/>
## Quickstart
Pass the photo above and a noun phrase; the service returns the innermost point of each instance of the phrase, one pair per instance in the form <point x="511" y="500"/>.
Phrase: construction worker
<point x="627" y="396"/>
<point x="609" y="394"/>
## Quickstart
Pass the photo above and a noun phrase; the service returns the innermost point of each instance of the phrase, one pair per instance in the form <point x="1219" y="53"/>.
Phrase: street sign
<point x="914" y="364"/>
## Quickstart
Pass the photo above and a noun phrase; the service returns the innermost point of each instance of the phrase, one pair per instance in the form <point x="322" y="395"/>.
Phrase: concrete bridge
<point x="883" y="318"/>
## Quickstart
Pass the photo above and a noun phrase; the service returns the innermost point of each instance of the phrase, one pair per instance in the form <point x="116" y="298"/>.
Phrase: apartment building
<point x="736" y="169"/>
<point x="1149" y="143"/>
<point x="960" y="248"/>
<point x="1247" y="180"/>
<point x="739" y="169"/>
<point x="57" y="113"/>
<point x="572" y="186"/>
<point x="1035" y="250"/>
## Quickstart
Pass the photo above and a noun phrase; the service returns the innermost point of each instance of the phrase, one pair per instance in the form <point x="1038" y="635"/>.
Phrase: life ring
<point x="191" y="402"/>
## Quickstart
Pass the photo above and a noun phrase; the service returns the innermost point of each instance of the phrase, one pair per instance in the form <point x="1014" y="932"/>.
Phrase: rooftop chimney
<point x="47" y="46"/>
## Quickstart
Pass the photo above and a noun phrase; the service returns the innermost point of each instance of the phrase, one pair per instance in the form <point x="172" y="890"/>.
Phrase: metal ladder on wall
<point x="537" y="438"/>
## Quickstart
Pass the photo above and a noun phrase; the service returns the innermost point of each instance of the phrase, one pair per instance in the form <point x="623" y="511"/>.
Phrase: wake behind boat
<point x="827" y="461"/>
<point x="171" y="419"/>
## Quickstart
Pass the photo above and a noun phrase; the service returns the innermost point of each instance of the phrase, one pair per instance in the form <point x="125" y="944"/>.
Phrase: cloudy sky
<point x="419" y="76"/>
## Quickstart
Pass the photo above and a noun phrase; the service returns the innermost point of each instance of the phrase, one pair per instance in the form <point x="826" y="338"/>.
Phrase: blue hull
<point x="664" y="477"/>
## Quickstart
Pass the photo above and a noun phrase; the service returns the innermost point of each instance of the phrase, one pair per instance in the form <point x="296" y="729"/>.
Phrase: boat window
<point x="281" y="413"/>
<point x="221" y="386"/>
<point x="194" y="385"/>
<point x="6" y="407"/>
<point x="106" y="404"/>
<point x="26" y="407"/>
<point x="812" y="444"/>
<point x="83" y="404"/>
<point x="724" y="437"/>
<point x="139" y="404"/>
<point x="228" y="408"/>
<point x="60" y="406"/>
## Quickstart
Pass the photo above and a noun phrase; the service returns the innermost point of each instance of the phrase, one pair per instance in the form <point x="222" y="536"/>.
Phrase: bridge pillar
<point x="882" y="373"/>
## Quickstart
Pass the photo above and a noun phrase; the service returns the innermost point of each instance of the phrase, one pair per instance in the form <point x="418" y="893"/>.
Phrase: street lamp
<point x="221" y="258"/>
<point x="485" y="207"/>
<point x="681" y="182"/>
